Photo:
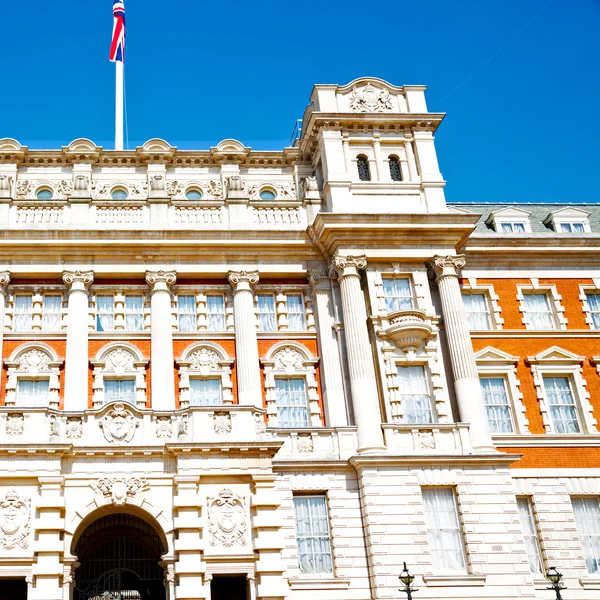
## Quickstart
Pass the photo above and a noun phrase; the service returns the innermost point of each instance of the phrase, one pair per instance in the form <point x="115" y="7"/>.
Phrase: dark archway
<point x="119" y="556"/>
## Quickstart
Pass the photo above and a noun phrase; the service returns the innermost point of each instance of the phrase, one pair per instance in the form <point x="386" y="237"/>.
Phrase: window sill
<point x="454" y="580"/>
<point x="326" y="583"/>
<point x="590" y="583"/>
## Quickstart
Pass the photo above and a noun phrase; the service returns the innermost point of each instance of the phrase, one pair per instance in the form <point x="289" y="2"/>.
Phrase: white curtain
<point x="398" y="294"/>
<point x="443" y="529"/>
<point x="186" y="309"/>
<point x="587" y="518"/>
<point x="22" y="316"/>
<point x="205" y="392"/>
<point x="593" y="301"/>
<point x="52" y="313"/>
<point x="416" y="401"/>
<point x="496" y="403"/>
<point x="119" y="390"/>
<point x="477" y="311"/>
<point x="134" y="313"/>
<point x="105" y="313"/>
<point x="312" y="535"/>
<point x="32" y="394"/>
<point x="539" y="311"/>
<point x="215" y="308"/>
<point x="530" y="535"/>
<point x="295" y="312"/>
<point x="562" y="405"/>
<point x="292" y="410"/>
<point x="266" y="312"/>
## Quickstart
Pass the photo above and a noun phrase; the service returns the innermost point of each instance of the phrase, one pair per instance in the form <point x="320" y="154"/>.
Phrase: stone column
<point x="161" y="353"/>
<point x="246" y="345"/>
<point x="410" y="158"/>
<point x="462" y="357"/>
<point x="331" y="368"/>
<point x="77" y="359"/>
<point x="4" y="281"/>
<point x="363" y="385"/>
<point x="379" y="159"/>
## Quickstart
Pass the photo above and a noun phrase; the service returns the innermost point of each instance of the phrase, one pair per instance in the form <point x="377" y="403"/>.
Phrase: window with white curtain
<point x="134" y="312"/>
<point x="205" y="392"/>
<point x="119" y="390"/>
<point x="215" y="308"/>
<point x="530" y="533"/>
<point x="105" y="312"/>
<point x="593" y="302"/>
<point x="295" y="312"/>
<point x="186" y="312"/>
<point x="572" y="227"/>
<point x="33" y="393"/>
<point x="267" y="320"/>
<point x="414" y="394"/>
<point x="587" y="518"/>
<point x="443" y="530"/>
<point x="561" y="404"/>
<point x="538" y="311"/>
<point x="313" y="535"/>
<point x="512" y="227"/>
<point x="398" y="294"/>
<point x="51" y="312"/>
<point x="478" y="311"/>
<point x="497" y="404"/>
<point x="291" y="402"/>
<point x="22" y="316"/>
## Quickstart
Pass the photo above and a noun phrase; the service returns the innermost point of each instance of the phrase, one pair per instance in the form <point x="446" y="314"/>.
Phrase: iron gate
<point x="119" y="558"/>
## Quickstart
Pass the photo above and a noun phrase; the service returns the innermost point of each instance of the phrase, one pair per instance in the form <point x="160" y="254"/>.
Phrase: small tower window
<point x="119" y="194"/>
<point x="193" y="194"/>
<point x="44" y="194"/>
<point x="395" y="172"/>
<point x="362" y="164"/>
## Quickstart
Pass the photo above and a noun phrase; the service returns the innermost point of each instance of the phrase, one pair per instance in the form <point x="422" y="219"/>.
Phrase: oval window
<point x="44" y="194"/>
<point x="119" y="195"/>
<point x="267" y="195"/>
<point x="193" y="195"/>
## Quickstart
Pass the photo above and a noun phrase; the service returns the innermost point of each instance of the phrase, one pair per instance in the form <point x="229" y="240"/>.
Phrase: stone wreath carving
<point x="119" y="424"/>
<point x="222" y="422"/>
<point x="74" y="428"/>
<point x="118" y="489"/>
<point x="15" y="517"/>
<point x="15" y="424"/>
<point x="288" y="360"/>
<point x="370" y="99"/>
<point x="227" y="521"/>
<point x="204" y="360"/>
<point x="211" y="190"/>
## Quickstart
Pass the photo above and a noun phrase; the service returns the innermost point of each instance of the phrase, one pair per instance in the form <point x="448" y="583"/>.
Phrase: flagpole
<point x="119" y="105"/>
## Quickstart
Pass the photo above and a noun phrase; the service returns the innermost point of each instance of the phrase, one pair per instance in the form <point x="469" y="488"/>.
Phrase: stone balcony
<point x="407" y="329"/>
<point x="430" y="438"/>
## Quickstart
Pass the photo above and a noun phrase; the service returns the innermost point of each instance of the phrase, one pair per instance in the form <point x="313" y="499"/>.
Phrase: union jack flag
<point x="117" y="47"/>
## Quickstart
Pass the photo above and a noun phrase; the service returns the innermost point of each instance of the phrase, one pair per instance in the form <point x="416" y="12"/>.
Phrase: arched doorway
<point x="119" y="556"/>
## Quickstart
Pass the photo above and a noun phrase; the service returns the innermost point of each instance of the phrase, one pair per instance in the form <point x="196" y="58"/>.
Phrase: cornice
<point x="455" y="460"/>
<point x="547" y="440"/>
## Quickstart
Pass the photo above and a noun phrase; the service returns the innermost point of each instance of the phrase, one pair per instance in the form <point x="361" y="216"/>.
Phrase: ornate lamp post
<point x="555" y="578"/>
<point x="406" y="579"/>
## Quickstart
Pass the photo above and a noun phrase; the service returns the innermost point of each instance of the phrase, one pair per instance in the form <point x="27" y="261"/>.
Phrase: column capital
<point x="242" y="280"/>
<point x="347" y="266"/>
<point x="4" y="281"/>
<point x="446" y="266"/>
<point x="160" y="280"/>
<point x="318" y="279"/>
<point x="78" y="280"/>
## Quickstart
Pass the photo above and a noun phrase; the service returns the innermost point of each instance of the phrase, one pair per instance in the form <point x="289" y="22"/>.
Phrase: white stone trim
<point x="128" y="362"/>
<point x="509" y="214"/>
<point x="202" y="360"/>
<point x="37" y="361"/>
<point x="556" y="361"/>
<point x="595" y="288"/>
<point x="285" y="359"/>
<point x="493" y="362"/>
<point x="568" y="214"/>
<point x="554" y="300"/>
<point x="470" y="285"/>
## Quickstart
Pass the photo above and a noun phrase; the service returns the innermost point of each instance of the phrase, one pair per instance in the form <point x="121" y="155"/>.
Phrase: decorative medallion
<point x="164" y="427"/>
<point x="370" y="99"/>
<point x="15" y="424"/>
<point x="118" y="489"/>
<point x="119" y="424"/>
<point x="74" y="428"/>
<point x="305" y="444"/>
<point x="288" y="360"/>
<point x="227" y="519"/>
<point x="204" y="360"/>
<point x="426" y="440"/>
<point x="222" y="422"/>
<point x="33" y="362"/>
<point x="15" y="516"/>
<point x="119" y="360"/>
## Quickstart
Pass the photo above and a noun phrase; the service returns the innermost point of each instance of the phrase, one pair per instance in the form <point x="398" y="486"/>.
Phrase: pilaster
<point x="4" y="281"/>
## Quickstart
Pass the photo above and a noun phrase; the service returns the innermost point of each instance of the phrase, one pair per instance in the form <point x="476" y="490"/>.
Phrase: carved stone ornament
<point x="119" y="360"/>
<point x="4" y="183"/>
<point x="235" y="183"/>
<point x="167" y="277"/>
<point x="157" y="183"/>
<point x="183" y="425"/>
<point x="204" y="360"/>
<point x="345" y="266"/>
<point x="211" y="190"/>
<point x="164" y="427"/>
<point x="24" y="188"/>
<point x="284" y="192"/>
<point x="4" y="279"/>
<point x="83" y="277"/>
<point x="81" y="183"/>
<point x="222" y="422"/>
<point x="370" y="99"/>
<point x="15" y="518"/>
<point x="118" y="489"/>
<point x="227" y="521"/>
<point x="310" y="184"/>
<point x="119" y="424"/>
<point x="447" y="266"/>
<point x="426" y="440"/>
<point x="15" y="424"/>
<point x="305" y="444"/>
<point x="74" y="428"/>
<point x="288" y="360"/>
<point x="33" y="362"/>
<point x="237" y="277"/>
<point x="65" y="188"/>
<point x="261" y="426"/>
<point x="54" y="426"/>
<point x="134" y="192"/>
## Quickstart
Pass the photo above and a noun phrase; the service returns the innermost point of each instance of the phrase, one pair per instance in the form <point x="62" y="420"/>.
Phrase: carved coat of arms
<point x="15" y="517"/>
<point x="15" y="424"/>
<point x="370" y="99"/>
<point x="227" y="521"/>
<point x="119" y="424"/>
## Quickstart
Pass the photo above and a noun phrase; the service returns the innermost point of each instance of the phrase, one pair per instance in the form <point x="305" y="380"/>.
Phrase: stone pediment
<point x="491" y="354"/>
<point x="556" y="354"/>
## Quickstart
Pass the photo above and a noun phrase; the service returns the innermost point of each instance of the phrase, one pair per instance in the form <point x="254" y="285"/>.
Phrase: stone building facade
<point x="231" y="373"/>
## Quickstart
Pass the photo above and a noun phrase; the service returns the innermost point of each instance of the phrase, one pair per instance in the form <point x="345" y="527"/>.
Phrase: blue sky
<point x="521" y="127"/>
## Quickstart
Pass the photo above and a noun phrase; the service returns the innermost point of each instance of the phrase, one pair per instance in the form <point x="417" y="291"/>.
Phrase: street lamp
<point x="406" y="579"/>
<point x="555" y="578"/>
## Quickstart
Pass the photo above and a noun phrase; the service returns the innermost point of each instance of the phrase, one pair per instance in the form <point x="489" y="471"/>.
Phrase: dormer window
<point x="513" y="227"/>
<point x="395" y="171"/>
<point x="569" y="220"/>
<point x="572" y="227"/>
<point x="362" y="165"/>
<point x="510" y="220"/>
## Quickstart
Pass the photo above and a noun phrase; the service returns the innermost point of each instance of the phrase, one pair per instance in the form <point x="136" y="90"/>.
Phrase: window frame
<point x="569" y="215"/>
<point x="129" y="378"/>
<point x="364" y="160"/>
<point x="128" y="313"/>
<point x="16" y="313"/>
<point x="59" y="314"/>
<point x="581" y="534"/>
<point x="197" y="377"/>
<point x="584" y="291"/>
<point x="260" y="313"/>
<point x="193" y="313"/>
<point x="532" y="515"/>
<point x="34" y="380"/>
<point x="508" y="405"/>
<point x="411" y="288"/>
<point x="488" y="311"/>
<point x="554" y="303"/>
<point x="302" y="313"/>
<point x="223" y="314"/>
<point x="395" y="158"/>
<point x="402" y="396"/>
<point x="573" y="404"/>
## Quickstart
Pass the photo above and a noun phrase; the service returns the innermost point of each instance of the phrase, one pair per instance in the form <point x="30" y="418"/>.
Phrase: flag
<point x="117" y="47"/>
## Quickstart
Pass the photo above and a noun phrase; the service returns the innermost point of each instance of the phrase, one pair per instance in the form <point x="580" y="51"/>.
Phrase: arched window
<point x="362" y="164"/>
<point x="119" y="194"/>
<point x="267" y="194"/>
<point x="193" y="194"/>
<point x="395" y="171"/>
<point x="44" y="194"/>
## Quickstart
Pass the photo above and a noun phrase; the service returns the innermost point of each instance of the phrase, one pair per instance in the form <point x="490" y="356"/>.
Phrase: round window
<point x="193" y="195"/>
<point x="119" y="194"/>
<point x="44" y="194"/>
<point x="267" y="195"/>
